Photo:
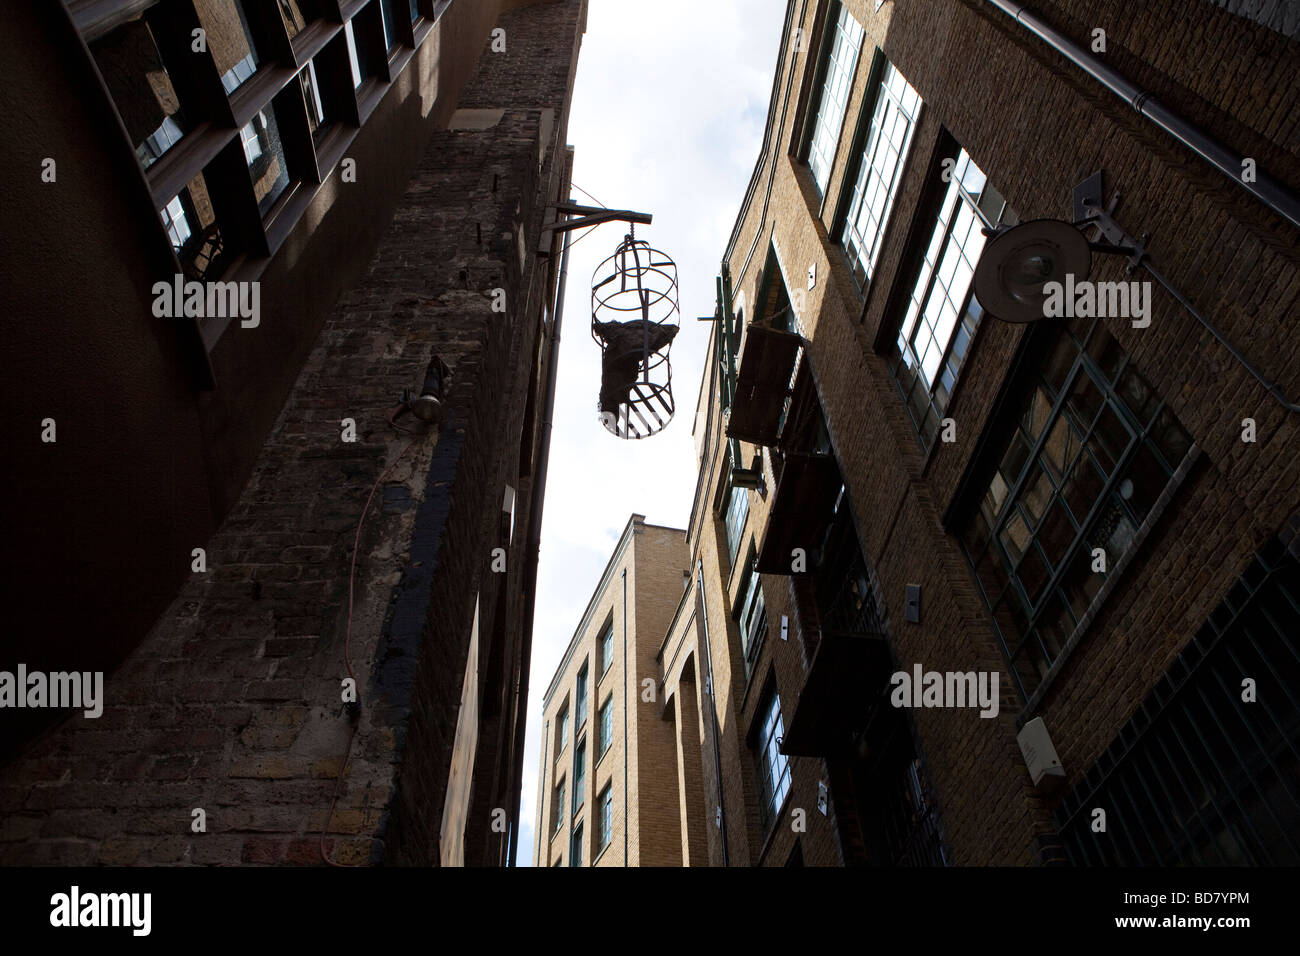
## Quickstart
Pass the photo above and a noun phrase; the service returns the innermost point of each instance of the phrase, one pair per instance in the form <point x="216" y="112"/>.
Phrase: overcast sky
<point x="667" y="118"/>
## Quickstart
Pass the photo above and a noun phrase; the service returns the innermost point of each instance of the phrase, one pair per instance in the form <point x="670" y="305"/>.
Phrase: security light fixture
<point x="428" y="405"/>
<point x="1019" y="262"/>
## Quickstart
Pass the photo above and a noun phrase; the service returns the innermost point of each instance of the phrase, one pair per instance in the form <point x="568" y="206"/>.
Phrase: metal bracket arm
<point x="593" y="216"/>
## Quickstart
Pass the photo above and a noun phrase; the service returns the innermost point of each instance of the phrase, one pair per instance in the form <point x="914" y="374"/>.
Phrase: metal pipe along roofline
<point x="1271" y="192"/>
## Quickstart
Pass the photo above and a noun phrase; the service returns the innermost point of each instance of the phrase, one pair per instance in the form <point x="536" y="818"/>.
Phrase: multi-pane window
<point x="607" y="648"/>
<point x="575" y="851"/>
<point x="580" y="699"/>
<point x="879" y="171"/>
<point x="604" y="817"/>
<point x="174" y="220"/>
<point x="562" y="731"/>
<point x="751" y="615"/>
<point x="942" y="311"/>
<point x="605" y="730"/>
<point x="1092" y="449"/>
<point x="558" y="807"/>
<point x="579" y="775"/>
<point x="267" y="166"/>
<point x="154" y="70"/>
<point x="773" y="766"/>
<point x="132" y="65"/>
<point x="1196" y="777"/>
<point x="167" y="135"/>
<point x="230" y="40"/>
<point x="842" y="50"/>
<point x="737" y="512"/>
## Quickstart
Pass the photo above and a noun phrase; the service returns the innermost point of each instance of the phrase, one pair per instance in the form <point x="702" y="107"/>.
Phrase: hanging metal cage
<point x="634" y="318"/>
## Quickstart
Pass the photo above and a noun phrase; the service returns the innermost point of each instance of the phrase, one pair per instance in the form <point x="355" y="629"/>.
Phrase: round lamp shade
<point x="1017" y="264"/>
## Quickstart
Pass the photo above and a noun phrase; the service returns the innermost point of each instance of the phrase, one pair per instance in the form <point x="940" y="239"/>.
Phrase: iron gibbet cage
<point x="634" y="318"/>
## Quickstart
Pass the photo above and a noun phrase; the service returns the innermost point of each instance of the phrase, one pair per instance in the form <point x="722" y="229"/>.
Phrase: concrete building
<point x="610" y="765"/>
<point x="359" y="191"/>
<point x="1099" y="513"/>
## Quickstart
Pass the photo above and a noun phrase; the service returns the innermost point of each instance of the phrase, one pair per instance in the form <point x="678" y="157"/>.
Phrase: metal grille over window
<point x="1201" y="776"/>
<point x="1093" y="448"/>
<point x="880" y="168"/>
<point x="841" y="63"/>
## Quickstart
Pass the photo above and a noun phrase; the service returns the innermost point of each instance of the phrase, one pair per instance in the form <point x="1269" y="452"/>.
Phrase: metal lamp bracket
<point x="1090" y="210"/>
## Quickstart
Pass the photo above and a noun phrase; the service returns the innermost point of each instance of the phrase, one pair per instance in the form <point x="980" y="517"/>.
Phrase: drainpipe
<point x="542" y="825"/>
<point x="1272" y="193"/>
<point x="627" y="804"/>
<point x="713" y="705"/>
<point x="534" y="545"/>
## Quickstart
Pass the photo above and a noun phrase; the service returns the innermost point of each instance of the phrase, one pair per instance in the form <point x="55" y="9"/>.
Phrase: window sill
<point x="1175" y="484"/>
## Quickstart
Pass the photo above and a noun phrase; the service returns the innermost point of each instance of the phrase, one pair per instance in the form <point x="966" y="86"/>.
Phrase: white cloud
<point x="668" y="118"/>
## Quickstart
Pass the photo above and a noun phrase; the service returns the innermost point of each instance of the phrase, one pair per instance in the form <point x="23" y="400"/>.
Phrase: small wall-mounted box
<point x="1044" y="765"/>
<point x="912" y="604"/>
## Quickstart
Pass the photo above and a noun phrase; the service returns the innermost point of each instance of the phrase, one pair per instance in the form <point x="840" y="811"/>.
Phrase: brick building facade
<point x="410" y="234"/>
<point x="1100" y="513"/>
<point x="608" y="780"/>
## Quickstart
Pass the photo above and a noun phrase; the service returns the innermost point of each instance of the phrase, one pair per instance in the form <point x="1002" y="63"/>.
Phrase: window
<point x="267" y="164"/>
<point x="579" y="776"/>
<point x="390" y="12"/>
<point x="607" y="648"/>
<point x="1196" y="778"/>
<point x="355" y="58"/>
<point x="879" y="170"/>
<point x="230" y="41"/>
<point x="841" y="61"/>
<point x="1092" y="449"/>
<point x="751" y="615"/>
<point x="575" y="852"/>
<point x="942" y="312"/>
<point x="604" y="817"/>
<point x="773" y="766"/>
<point x="178" y="227"/>
<point x="580" y="699"/>
<point x="558" y="814"/>
<point x="562" y="731"/>
<point x="131" y="63"/>
<point x="605" y="730"/>
<point x="250" y="136"/>
<point x="291" y="14"/>
<point x="737" y="512"/>
<point x="311" y="97"/>
<point x="194" y="233"/>
<point x="158" y="142"/>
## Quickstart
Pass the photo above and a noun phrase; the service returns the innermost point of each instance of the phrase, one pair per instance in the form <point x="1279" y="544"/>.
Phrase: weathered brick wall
<point x="1036" y="125"/>
<point x="232" y="703"/>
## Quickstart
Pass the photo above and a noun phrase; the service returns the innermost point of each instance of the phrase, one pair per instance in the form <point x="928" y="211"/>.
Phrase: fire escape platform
<point x="802" y="509"/>
<point x="843" y="685"/>
<point x="766" y="364"/>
